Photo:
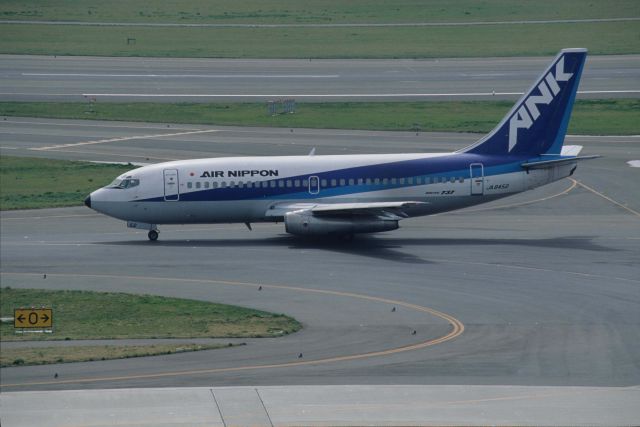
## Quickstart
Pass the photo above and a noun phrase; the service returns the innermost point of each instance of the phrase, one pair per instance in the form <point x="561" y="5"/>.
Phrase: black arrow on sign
<point x="21" y="318"/>
<point x="45" y="317"/>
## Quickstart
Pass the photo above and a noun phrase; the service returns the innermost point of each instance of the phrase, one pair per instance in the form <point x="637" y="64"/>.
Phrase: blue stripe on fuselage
<point x="446" y="166"/>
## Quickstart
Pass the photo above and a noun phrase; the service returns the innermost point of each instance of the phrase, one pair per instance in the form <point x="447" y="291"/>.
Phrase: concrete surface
<point x="49" y="78"/>
<point x="327" y="406"/>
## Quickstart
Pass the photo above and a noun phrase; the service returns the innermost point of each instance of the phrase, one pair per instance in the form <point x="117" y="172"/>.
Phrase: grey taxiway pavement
<point x="539" y="289"/>
<point x="49" y="78"/>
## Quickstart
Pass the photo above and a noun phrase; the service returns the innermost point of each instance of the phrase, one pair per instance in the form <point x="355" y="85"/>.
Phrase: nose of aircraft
<point x="87" y="201"/>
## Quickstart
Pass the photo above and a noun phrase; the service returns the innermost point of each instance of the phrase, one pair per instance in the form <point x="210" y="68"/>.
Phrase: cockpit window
<point x="127" y="182"/>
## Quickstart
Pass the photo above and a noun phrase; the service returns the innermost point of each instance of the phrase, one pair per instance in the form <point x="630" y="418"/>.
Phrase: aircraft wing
<point x="381" y="210"/>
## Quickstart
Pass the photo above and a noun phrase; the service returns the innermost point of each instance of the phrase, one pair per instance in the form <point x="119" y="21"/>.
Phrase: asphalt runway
<point x="539" y="289"/>
<point x="48" y="78"/>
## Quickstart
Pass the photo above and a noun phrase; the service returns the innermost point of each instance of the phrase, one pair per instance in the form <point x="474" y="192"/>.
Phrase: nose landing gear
<point x="153" y="235"/>
<point x="153" y="230"/>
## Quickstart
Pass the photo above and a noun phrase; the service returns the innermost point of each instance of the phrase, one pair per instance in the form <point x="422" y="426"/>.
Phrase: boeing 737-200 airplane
<point x="348" y="194"/>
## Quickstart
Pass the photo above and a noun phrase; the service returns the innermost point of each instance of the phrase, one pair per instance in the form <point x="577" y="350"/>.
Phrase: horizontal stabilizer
<point x="542" y="164"/>
<point x="571" y="150"/>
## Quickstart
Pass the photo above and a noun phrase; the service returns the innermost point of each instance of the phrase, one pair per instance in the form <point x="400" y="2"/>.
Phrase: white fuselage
<point x="250" y="189"/>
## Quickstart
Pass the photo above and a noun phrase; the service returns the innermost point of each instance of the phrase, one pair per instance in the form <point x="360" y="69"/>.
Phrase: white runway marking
<point x="125" y="138"/>
<point x="337" y="25"/>
<point x="200" y="76"/>
<point x="304" y="95"/>
<point x="634" y="163"/>
<point x="335" y="95"/>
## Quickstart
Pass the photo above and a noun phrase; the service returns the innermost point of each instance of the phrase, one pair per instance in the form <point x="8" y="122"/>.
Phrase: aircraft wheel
<point x="153" y="235"/>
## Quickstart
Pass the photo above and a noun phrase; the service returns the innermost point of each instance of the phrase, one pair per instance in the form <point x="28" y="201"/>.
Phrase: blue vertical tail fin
<point x="537" y="123"/>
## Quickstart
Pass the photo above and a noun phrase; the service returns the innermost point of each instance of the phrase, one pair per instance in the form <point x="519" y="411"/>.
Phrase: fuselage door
<point x="171" y="187"/>
<point x="314" y="185"/>
<point x="477" y="179"/>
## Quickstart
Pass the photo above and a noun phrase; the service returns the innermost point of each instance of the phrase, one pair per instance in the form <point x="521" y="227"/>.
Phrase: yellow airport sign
<point x="32" y="318"/>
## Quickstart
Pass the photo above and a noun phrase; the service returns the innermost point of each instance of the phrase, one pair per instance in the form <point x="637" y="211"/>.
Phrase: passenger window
<point x="223" y="184"/>
<point x="189" y="185"/>
<point x="376" y="181"/>
<point x="368" y="181"/>
<point x="410" y="180"/>
<point x="287" y="183"/>
<point x="323" y="182"/>
<point x="206" y="184"/>
<point x="418" y="180"/>
<point x="305" y="183"/>
<point x="394" y="181"/>
<point x="281" y="184"/>
<point x="214" y="184"/>
<point x="385" y="181"/>
<point x="402" y="181"/>
<point x="272" y="184"/>
<point x="296" y="183"/>
<point x="351" y="181"/>
<point x="333" y="182"/>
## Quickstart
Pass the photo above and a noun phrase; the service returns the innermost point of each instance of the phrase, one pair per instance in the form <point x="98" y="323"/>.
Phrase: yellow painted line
<point x="457" y="328"/>
<point x="124" y="138"/>
<point x="544" y="270"/>
<point x="597" y="193"/>
<point x="513" y="205"/>
<point x="576" y="391"/>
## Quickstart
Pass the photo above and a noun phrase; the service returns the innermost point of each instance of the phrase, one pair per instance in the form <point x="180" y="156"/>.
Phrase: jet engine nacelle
<point x="306" y="224"/>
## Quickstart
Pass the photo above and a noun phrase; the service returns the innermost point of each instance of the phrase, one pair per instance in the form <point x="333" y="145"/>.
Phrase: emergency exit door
<point x="314" y="185"/>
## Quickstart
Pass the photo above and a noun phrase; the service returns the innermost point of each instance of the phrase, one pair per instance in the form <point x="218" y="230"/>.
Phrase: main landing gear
<point x="153" y="235"/>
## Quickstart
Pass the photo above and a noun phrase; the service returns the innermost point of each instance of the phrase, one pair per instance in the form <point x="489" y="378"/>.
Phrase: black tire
<point x="153" y="235"/>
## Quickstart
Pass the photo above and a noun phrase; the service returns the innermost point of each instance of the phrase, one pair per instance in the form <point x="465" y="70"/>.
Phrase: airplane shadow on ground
<point x="385" y="248"/>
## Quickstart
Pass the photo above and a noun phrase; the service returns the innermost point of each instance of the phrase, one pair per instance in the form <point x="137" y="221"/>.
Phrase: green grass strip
<point x="601" y="38"/>
<point x="48" y="355"/>
<point x="589" y="117"/>
<point x="100" y="315"/>
<point x="312" y="11"/>
<point x="28" y="183"/>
